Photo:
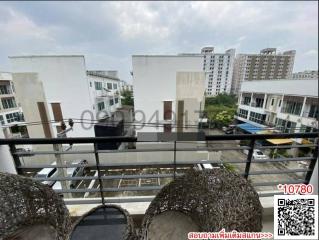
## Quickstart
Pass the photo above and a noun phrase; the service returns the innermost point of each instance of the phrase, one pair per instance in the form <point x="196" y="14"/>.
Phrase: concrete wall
<point x="29" y="90"/>
<point x="154" y="80"/>
<point x="190" y="87"/>
<point x="64" y="80"/>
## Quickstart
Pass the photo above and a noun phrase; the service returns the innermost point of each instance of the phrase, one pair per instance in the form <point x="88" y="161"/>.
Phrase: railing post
<point x="97" y="160"/>
<point x="174" y="160"/>
<point x="249" y="157"/>
<point x="62" y="171"/>
<point x="312" y="163"/>
<point x="16" y="160"/>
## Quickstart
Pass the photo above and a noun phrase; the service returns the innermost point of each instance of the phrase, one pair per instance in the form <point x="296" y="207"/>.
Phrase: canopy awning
<point x="280" y="141"/>
<point x="250" y="128"/>
<point x="276" y="141"/>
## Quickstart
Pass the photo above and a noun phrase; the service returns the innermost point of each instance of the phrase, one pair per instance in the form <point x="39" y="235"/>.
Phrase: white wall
<point x="29" y="91"/>
<point x="286" y="87"/>
<point x="154" y="81"/>
<point x="64" y="80"/>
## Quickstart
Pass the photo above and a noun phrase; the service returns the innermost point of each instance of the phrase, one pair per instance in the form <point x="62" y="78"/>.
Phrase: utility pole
<point x="58" y="147"/>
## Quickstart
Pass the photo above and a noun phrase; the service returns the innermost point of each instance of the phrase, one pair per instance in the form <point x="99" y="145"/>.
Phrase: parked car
<point x="229" y="130"/>
<point x="207" y="165"/>
<point x="77" y="171"/>
<point x="257" y="154"/>
<point x="48" y="173"/>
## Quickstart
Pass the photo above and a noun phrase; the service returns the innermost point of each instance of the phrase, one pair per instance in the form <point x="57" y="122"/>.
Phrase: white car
<point x="47" y="173"/>
<point x="203" y="165"/>
<point x="257" y="154"/>
<point x="77" y="171"/>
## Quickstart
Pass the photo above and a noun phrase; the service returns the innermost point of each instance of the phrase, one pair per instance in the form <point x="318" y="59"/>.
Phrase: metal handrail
<point x="135" y="139"/>
<point x="170" y="164"/>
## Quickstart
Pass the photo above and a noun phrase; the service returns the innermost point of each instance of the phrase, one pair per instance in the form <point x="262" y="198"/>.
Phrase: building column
<point x="251" y="99"/>
<point x="303" y="106"/>
<point x="265" y="100"/>
<point x="6" y="160"/>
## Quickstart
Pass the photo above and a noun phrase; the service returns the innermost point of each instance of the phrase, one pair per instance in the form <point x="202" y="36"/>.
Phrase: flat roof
<point x="308" y="87"/>
<point x="187" y="55"/>
<point x="30" y="56"/>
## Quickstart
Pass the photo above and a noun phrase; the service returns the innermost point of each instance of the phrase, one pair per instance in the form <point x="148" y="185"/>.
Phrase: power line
<point x="145" y="124"/>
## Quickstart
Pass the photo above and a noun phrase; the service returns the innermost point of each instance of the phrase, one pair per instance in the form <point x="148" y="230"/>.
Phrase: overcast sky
<point x="108" y="33"/>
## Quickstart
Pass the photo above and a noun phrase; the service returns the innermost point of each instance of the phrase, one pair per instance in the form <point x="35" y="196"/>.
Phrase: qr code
<point x="296" y="216"/>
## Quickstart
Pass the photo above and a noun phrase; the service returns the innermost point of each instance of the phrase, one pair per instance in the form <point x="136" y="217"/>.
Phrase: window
<point x="111" y="102"/>
<point x="116" y="100"/>
<point x="259" y="102"/>
<point x="242" y="113"/>
<point x="114" y="86"/>
<point x="285" y="126"/>
<point x="8" y="103"/>
<point x="247" y="100"/>
<point x="292" y="107"/>
<point x="305" y="128"/>
<point x="90" y="84"/>
<point x="13" y="117"/>
<point x="98" y="85"/>
<point x="52" y="172"/>
<point x="272" y="102"/>
<point x="279" y="103"/>
<point x="100" y="106"/>
<point x="314" y="111"/>
<point x="257" y="117"/>
<point x="109" y="85"/>
<point x="2" y="120"/>
<point x="5" y="89"/>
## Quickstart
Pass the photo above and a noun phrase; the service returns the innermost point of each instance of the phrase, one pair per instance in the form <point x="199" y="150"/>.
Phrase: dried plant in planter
<point x="214" y="199"/>
<point x="26" y="203"/>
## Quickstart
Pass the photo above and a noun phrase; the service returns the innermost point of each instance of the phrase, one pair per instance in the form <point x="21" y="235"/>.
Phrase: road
<point x="238" y="155"/>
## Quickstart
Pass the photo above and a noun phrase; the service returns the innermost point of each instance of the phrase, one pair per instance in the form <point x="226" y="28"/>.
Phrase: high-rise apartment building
<point x="219" y="69"/>
<point x="307" y="74"/>
<point x="267" y="65"/>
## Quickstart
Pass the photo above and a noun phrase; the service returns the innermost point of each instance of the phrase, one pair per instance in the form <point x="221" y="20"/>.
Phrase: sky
<point x="109" y="33"/>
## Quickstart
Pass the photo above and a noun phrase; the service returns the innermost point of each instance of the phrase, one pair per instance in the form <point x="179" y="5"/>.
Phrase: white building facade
<point x="56" y="88"/>
<point x="10" y="110"/>
<point x="105" y="93"/>
<point x="286" y="105"/>
<point x="165" y="86"/>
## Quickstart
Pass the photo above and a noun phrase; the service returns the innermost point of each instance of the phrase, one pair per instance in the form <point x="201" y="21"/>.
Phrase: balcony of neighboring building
<point x="292" y="105"/>
<point x="258" y="101"/>
<point x="311" y="108"/>
<point x="8" y="104"/>
<point x="6" y="89"/>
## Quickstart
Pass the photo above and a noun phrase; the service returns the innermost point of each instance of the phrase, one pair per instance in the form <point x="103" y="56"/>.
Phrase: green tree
<point x="127" y="98"/>
<point x="220" y="110"/>
<point x="223" y="99"/>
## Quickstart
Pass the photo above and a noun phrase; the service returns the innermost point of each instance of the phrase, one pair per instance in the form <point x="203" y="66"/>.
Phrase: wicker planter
<point x="104" y="222"/>
<point x="26" y="203"/>
<point x="213" y="199"/>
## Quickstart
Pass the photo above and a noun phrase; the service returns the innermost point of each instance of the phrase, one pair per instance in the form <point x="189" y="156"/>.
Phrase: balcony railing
<point x="147" y="183"/>
<point x="256" y="105"/>
<point x="245" y="103"/>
